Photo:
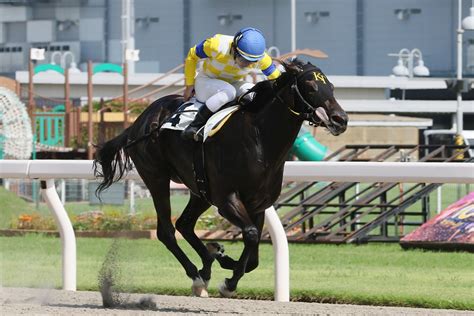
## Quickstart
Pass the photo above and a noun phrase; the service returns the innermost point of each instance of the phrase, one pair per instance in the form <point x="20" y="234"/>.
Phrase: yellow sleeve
<point x="190" y="66"/>
<point x="268" y="67"/>
<point x="206" y="49"/>
<point x="211" y="46"/>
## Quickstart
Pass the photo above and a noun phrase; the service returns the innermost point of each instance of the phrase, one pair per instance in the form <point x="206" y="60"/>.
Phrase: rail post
<point x="68" y="239"/>
<point x="280" y="254"/>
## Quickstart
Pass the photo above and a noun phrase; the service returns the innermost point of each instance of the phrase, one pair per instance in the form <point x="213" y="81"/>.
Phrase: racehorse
<point x="243" y="163"/>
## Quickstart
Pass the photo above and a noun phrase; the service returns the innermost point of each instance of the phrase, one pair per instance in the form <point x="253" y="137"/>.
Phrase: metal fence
<point x="81" y="190"/>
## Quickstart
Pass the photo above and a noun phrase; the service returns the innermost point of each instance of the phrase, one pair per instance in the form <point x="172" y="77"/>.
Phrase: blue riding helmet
<point x="250" y="44"/>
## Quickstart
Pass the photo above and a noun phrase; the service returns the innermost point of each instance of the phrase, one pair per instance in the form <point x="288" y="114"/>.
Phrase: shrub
<point x="34" y="221"/>
<point x="110" y="221"/>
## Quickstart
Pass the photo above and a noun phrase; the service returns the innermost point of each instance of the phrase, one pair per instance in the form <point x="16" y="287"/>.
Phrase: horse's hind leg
<point x="185" y="225"/>
<point x="159" y="189"/>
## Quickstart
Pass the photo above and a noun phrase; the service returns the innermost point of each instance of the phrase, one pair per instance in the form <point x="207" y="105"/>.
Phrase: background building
<point x="357" y="35"/>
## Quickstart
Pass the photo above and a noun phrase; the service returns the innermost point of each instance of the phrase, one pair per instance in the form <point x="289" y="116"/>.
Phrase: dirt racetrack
<point x="26" y="301"/>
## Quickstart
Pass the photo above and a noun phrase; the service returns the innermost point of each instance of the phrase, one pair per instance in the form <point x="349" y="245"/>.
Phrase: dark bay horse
<point x="244" y="164"/>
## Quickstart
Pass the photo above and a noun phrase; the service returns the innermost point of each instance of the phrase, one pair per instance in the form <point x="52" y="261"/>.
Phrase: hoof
<point x="215" y="249"/>
<point x="199" y="288"/>
<point x="224" y="291"/>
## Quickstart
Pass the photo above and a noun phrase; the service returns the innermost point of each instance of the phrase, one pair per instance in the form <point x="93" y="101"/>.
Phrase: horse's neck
<point x="278" y="129"/>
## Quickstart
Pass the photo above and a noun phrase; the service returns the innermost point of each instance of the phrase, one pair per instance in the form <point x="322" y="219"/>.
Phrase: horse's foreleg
<point x="236" y="213"/>
<point x="217" y="251"/>
<point x="185" y="225"/>
<point x="251" y="238"/>
<point x="227" y="262"/>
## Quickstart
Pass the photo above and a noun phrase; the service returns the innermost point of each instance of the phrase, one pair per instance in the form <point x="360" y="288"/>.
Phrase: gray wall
<point x="205" y="23"/>
<point x="335" y="34"/>
<point x="273" y="18"/>
<point x="357" y="35"/>
<point x="431" y="31"/>
<point x="159" y="42"/>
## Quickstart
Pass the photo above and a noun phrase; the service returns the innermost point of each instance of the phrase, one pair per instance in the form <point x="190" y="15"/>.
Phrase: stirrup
<point x="185" y="134"/>
<point x="198" y="135"/>
<point x="193" y="135"/>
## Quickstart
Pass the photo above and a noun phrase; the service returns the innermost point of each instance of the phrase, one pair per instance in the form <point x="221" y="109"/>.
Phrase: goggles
<point x="242" y="60"/>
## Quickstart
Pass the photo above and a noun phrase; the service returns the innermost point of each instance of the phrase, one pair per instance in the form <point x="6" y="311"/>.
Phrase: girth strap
<point x="200" y="171"/>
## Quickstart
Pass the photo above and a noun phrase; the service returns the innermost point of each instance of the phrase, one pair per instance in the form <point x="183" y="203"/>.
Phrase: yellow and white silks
<point x="220" y="79"/>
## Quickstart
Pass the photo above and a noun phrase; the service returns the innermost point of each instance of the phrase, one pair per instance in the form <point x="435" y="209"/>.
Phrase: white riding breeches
<point x="215" y="92"/>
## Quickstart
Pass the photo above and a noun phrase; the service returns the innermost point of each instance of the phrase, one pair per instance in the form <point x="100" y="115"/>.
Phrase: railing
<point x="407" y="172"/>
<point x="50" y="128"/>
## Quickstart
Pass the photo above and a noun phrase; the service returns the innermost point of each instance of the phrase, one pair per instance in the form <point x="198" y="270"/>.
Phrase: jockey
<point x="227" y="60"/>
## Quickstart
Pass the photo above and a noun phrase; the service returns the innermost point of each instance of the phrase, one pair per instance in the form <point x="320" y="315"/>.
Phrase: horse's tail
<point x="113" y="160"/>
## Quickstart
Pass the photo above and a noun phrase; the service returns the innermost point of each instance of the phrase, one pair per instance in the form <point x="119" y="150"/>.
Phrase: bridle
<point x="309" y="110"/>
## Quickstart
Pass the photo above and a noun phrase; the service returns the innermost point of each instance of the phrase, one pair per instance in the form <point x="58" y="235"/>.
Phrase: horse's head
<point x="313" y="96"/>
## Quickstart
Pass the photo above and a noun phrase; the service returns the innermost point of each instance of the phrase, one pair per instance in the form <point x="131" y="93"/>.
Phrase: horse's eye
<point x="312" y="85"/>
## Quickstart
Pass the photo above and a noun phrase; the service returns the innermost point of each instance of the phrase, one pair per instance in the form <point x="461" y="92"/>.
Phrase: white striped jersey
<point x="219" y="61"/>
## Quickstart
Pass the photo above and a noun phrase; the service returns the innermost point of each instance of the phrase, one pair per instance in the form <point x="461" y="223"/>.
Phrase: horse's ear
<point x="292" y="66"/>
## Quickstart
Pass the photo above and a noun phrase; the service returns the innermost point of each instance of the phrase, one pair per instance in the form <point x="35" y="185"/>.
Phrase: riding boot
<point x="191" y="132"/>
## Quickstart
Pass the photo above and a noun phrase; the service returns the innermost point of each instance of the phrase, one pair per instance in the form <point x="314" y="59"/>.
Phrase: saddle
<point x="185" y="114"/>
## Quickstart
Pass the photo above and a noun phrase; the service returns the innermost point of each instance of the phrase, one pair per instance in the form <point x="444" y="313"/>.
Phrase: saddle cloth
<point x="186" y="113"/>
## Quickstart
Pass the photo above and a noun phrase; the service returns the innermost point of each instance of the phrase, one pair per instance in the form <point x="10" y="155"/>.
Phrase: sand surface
<point x="26" y="301"/>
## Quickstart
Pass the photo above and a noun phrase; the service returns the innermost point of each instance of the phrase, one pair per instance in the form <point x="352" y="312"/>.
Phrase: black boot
<point x="201" y="118"/>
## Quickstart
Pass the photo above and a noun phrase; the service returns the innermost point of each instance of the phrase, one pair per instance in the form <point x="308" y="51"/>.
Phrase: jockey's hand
<point x="188" y="92"/>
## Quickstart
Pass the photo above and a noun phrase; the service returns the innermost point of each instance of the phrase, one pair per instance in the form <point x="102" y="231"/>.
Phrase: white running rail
<point x="405" y="172"/>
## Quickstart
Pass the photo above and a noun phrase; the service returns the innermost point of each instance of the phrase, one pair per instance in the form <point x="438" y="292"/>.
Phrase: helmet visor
<point x="248" y="57"/>
<point x="242" y="61"/>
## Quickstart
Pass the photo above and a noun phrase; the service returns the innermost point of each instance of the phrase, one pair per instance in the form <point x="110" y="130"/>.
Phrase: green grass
<point x="370" y="274"/>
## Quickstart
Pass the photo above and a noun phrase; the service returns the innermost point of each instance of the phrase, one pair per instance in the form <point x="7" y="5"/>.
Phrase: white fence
<point x="405" y="172"/>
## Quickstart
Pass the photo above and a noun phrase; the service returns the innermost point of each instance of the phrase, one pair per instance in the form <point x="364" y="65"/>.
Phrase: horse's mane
<point x="265" y="90"/>
<point x="295" y="62"/>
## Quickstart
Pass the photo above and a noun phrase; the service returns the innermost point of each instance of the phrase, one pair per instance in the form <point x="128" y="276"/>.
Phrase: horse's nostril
<point x="339" y="119"/>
